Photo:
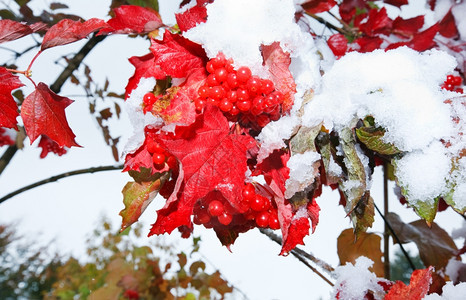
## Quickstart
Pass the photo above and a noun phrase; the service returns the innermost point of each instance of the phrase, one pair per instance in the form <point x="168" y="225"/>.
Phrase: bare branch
<point x="302" y="255"/>
<point x="60" y="176"/>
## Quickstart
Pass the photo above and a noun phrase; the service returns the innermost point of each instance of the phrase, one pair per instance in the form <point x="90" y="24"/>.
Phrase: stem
<point x="301" y="255"/>
<point x="327" y="24"/>
<point x="60" y="176"/>
<point x="397" y="239"/>
<point x="28" y="70"/>
<point x="7" y="156"/>
<point x="386" y="232"/>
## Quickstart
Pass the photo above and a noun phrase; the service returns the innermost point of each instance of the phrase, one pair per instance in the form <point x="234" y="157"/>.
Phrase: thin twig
<point x="299" y="254"/>
<point x="397" y="239"/>
<point x="386" y="232"/>
<point x="326" y="23"/>
<point x="60" y="176"/>
<point x="7" y="156"/>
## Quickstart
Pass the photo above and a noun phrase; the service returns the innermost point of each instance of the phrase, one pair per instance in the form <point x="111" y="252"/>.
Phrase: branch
<point x="60" y="176"/>
<point x="56" y="87"/>
<point x="301" y="255"/>
<point x="397" y="239"/>
<point x="74" y="63"/>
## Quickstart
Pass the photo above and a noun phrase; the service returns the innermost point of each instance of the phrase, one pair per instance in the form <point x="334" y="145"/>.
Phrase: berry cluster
<point x="49" y="145"/>
<point x="239" y="94"/>
<point x="161" y="158"/>
<point x="259" y="211"/>
<point x="5" y="139"/>
<point x="453" y="84"/>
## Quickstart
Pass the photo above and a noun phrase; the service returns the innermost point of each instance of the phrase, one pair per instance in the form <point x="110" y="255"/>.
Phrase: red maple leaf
<point x="177" y="56"/>
<point x="68" y="31"/>
<point x="191" y="17"/>
<point x="417" y="288"/>
<point x="407" y="27"/>
<point x="12" y="30"/>
<point x="377" y="22"/>
<point x="145" y="68"/>
<point x="318" y="6"/>
<point x="43" y="112"/>
<point x="278" y="62"/>
<point x="211" y="159"/>
<point x="424" y="40"/>
<point x="133" y="19"/>
<point x="368" y="44"/>
<point x="8" y="107"/>
<point x="347" y="8"/>
<point x="448" y="26"/>
<point x="397" y="3"/>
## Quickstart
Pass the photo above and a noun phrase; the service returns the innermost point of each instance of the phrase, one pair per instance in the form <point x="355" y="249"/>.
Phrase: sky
<point x="67" y="211"/>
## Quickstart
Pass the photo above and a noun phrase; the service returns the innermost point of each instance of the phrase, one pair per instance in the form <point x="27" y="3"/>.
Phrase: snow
<point x="138" y="119"/>
<point x="449" y="292"/>
<point x="303" y="170"/>
<point x="354" y="281"/>
<point x="239" y="32"/>
<point x="459" y="13"/>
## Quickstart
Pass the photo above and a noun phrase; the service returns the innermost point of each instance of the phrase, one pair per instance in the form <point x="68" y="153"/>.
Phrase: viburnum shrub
<point x="242" y="112"/>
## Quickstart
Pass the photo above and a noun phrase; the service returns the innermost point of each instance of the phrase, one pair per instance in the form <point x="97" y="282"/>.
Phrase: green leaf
<point x="373" y="139"/>
<point x="359" y="203"/>
<point x="303" y="140"/>
<point x="154" y="4"/>
<point x="136" y="198"/>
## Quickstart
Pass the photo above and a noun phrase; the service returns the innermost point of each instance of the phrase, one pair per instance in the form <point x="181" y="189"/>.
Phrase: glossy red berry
<point x="262" y="219"/>
<point x="249" y="192"/>
<point x="232" y="96"/>
<point x="216" y="92"/>
<point x="158" y="158"/>
<point x="267" y="86"/>
<point x="457" y="80"/>
<point x="232" y="80"/>
<point x="199" y="104"/>
<point x="225" y="218"/>
<point x="221" y="74"/>
<point x="203" y="91"/>
<point x="219" y="61"/>
<point x="258" y="203"/>
<point x="274" y="223"/>
<point x="242" y="94"/>
<point x="212" y="80"/>
<point x="244" y="105"/>
<point x="215" y="208"/>
<point x="254" y="85"/>
<point x="202" y="217"/>
<point x="225" y="105"/>
<point x="243" y="74"/>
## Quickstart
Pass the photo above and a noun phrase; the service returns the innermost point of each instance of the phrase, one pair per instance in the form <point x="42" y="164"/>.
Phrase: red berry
<point x="172" y="163"/>
<point x="457" y="80"/>
<point x="203" y="91"/>
<point x="234" y="110"/>
<point x="225" y="105"/>
<point x="262" y="219"/>
<point x="201" y="217"/>
<point x="221" y="74"/>
<point x="254" y="84"/>
<point x="199" y="105"/>
<point x="219" y="61"/>
<point x="249" y="192"/>
<point x="232" y="80"/>
<point x="149" y="99"/>
<point x="267" y="86"/>
<point x="212" y="80"/>
<point x="243" y="74"/>
<point x="258" y="203"/>
<point x="244" y="105"/>
<point x="158" y="158"/>
<point x="274" y="223"/>
<point x="242" y="94"/>
<point x="216" y="92"/>
<point x="232" y="96"/>
<point x="450" y="79"/>
<point x="225" y="218"/>
<point x="459" y="90"/>
<point x="210" y="67"/>
<point x="258" y="105"/>
<point x="215" y="208"/>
